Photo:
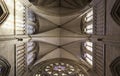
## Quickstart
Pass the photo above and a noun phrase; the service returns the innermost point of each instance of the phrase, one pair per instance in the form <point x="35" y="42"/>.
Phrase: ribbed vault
<point x="60" y="31"/>
<point x="60" y="7"/>
<point x="59" y="41"/>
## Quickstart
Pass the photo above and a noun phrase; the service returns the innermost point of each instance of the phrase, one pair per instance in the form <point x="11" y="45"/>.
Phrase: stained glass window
<point x="31" y="52"/>
<point x="61" y="69"/>
<point x="88" y="24"/>
<point x="89" y="46"/>
<point x="89" y="16"/>
<point x="87" y="52"/>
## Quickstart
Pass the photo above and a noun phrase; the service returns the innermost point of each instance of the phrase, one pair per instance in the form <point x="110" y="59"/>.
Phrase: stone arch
<point x="115" y="67"/>
<point x="4" y="67"/>
<point x="3" y="11"/>
<point x="115" y="12"/>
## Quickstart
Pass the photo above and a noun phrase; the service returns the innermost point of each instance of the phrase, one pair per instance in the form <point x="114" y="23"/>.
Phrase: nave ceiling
<point x="60" y="7"/>
<point x="60" y="27"/>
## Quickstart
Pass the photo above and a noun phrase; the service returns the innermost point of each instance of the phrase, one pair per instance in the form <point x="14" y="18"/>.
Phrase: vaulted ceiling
<point x="60" y="41"/>
<point x="60" y="7"/>
<point x="60" y="26"/>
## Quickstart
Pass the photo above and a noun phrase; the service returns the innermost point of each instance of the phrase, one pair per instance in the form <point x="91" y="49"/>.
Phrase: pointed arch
<point x="4" y="67"/>
<point x="115" y="67"/>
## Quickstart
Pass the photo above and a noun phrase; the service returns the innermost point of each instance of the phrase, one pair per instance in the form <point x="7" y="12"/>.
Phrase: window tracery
<point x="31" y="22"/>
<point x="88" y="58"/>
<point x="87" y="48"/>
<point x="88" y="45"/>
<point x="59" y="68"/>
<point x="30" y="29"/>
<point x="88" y="22"/>
<point x="89" y="16"/>
<point x="87" y="52"/>
<point x="31" y="52"/>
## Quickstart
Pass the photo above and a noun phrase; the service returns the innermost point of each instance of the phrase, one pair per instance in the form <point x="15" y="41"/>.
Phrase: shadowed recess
<point x="60" y="7"/>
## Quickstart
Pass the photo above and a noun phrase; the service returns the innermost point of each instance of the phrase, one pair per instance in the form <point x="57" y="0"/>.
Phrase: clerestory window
<point x="88" y="22"/>
<point x="87" y="52"/>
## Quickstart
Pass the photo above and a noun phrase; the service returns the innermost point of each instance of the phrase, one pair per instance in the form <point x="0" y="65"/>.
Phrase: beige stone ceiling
<point x="60" y="7"/>
<point x="60" y="26"/>
<point x="59" y="41"/>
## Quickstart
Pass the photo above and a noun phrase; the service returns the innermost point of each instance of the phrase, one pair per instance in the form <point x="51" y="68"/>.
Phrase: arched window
<point x="88" y="58"/>
<point x="87" y="52"/>
<point x="89" y="16"/>
<point x="88" y="45"/>
<point x="30" y="29"/>
<point x="88" y="22"/>
<point x="89" y="29"/>
<point x="31" y="52"/>
<point x="31" y="22"/>
<point x="59" y="67"/>
<point x="30" y="15"/>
